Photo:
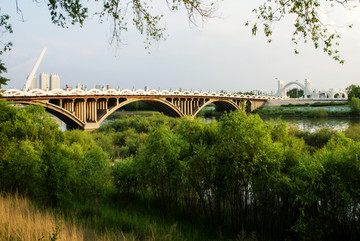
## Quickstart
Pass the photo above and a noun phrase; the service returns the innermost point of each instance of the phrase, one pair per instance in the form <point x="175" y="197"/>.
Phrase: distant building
<point x="44" y="81"/>
<point x="109" y="87"/>
<point x="54" y="81"/>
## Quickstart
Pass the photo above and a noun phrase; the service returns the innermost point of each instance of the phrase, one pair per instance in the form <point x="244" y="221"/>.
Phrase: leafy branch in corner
<point x="5" y="27"/>
<point x="309" y="23"/>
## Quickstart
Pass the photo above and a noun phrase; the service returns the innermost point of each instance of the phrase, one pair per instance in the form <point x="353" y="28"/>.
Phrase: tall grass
<point x="20" y="220"/>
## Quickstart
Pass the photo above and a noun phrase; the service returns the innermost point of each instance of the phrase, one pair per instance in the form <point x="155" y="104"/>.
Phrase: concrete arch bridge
<point x="87" y="109"/>
<point x="309" y="93"/>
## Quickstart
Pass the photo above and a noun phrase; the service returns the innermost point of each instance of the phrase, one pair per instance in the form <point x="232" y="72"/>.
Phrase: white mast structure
<point x="33" y="72"/>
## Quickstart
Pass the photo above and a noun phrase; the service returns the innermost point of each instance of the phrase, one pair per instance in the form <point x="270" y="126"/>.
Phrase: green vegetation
<point x="353" y="91"/>
<point x="314" y="110"/>
<point x="160" y="178"/>
<point x="355" y="106"/>
<point x="295" y="93"/>
<point x="318" y="113"/>
<point x="210" y="110"/>
<point x="317" y="104"/>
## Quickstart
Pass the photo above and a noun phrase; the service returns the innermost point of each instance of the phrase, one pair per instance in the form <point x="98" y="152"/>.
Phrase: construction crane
<point x="33" y="72"/>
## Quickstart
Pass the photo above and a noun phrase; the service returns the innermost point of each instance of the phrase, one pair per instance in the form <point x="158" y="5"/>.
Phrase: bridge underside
<point x="88" y="112"/>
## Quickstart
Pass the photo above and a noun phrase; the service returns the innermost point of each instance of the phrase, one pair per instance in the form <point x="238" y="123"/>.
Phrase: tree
<point x="4" y="27"/>
<point x="3" y="80"/>
<point x="295" y="93"/>
<point x="353" y="91"/>
<point x="355" y="105"/>
<point x="308" y="25"/>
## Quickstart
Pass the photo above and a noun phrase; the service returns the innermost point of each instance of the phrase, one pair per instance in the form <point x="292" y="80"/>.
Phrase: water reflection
<point x="310" y="124"/>
<point x="302" y="123"/>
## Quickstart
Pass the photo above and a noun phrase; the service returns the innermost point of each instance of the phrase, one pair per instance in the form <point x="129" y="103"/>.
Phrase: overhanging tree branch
<point x="308" y="23"/>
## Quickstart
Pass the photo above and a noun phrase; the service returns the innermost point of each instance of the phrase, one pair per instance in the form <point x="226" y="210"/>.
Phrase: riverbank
<point x="314" y="110"/>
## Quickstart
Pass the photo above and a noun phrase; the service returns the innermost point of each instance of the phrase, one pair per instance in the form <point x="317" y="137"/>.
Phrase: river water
<point x="312" y="124"/>
<point x="302" y="123"/>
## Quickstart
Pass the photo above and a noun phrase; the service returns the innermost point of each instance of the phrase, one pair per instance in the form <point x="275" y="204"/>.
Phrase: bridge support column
<point x="191" y="106"/>
<point x="185" y="106"/>
<point x="95" y="110"/>
<point x="91" y="126"/>
<point x="91" y="110"/>
<point x="85" y="109"/>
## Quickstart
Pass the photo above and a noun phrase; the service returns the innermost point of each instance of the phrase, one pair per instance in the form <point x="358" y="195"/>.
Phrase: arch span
<point x="67" y="117"/>
<point x="224" y="105"/>
<point x="342" y="95"/>
<point x="294" y="83"/>
<point x="160" y="105"/>
<point x="307" y="92"/>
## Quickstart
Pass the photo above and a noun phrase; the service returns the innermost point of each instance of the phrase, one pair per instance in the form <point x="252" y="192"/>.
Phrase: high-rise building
<point x="44" y="81"/>
<point x="54" y="81"/>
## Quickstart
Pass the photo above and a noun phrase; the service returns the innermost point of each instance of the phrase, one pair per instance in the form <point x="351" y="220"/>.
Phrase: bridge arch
<point x="224" y="105"/>
<point x="294" y="83"/>
<point x="160" y="105"/>
<point x="342" y="95"/>
<point x="282" y="90"/>
<point x="67" y="117"/>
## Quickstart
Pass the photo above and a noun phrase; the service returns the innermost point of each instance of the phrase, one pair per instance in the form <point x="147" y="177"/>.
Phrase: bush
<point x="316" y="139"/>
<point x="355" y="105"/>
<point x="353" y="132"/>
<point x="318" y="113"/>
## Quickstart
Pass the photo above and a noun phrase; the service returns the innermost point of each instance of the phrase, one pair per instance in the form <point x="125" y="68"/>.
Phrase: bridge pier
<point x="91" y="125"/>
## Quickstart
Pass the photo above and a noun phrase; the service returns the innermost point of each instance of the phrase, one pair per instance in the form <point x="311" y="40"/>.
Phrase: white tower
<point x="33" y="72"/>
<point x="44" y="81"/>
<point x="32" y="84"/>
<point x="54" y="81"/>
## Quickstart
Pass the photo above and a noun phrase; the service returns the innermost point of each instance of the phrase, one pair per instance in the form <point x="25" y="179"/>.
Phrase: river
<point x="312" y="124"/>
<point x="303" y="123"/>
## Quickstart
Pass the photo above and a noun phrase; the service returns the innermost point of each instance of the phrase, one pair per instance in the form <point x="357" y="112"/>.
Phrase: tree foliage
<point x="238" y="174"/>
<point x="295" y="93"/>
<point x="53" y="167"/>
<point x="309" y="22"/>
<point x="237" y="171"/>
<point x="5" y="26"/>
<point x="353" y="91"/>
<point x="308" y="25"/>
<point x="354" y="104"/>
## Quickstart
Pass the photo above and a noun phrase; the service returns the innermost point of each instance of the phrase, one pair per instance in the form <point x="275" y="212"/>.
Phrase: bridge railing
<point x="125" y="92"/>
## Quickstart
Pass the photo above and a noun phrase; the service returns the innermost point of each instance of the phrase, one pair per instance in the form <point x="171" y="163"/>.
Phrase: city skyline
<point x="219" y="55"/>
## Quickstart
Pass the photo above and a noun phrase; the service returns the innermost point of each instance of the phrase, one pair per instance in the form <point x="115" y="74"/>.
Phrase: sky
<point x="219" y="54"/>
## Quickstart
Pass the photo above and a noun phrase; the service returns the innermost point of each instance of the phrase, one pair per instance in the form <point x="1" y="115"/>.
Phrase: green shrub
<point x="316" y="139"/>
<point x="353" y="132"/>
<point x="318" y="113"/>
<point x="355" y="105"/>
